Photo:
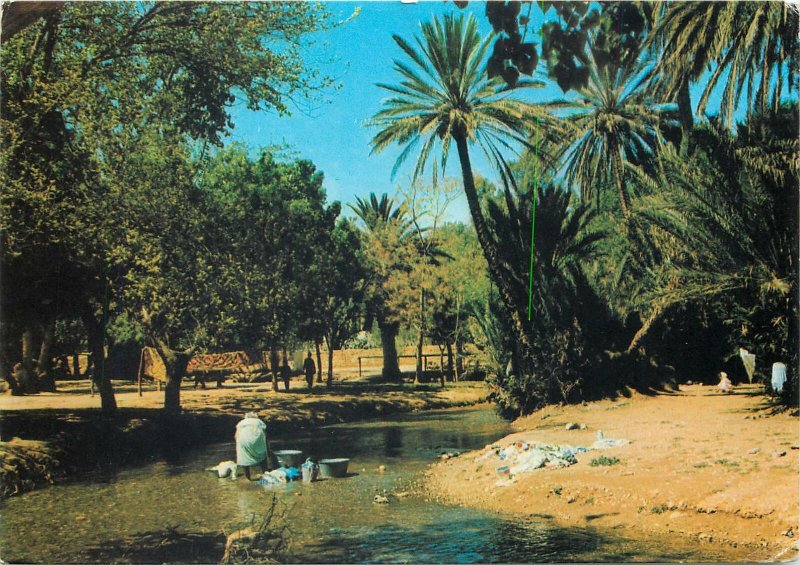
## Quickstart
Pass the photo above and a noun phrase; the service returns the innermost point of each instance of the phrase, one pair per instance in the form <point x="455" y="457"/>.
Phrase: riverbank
<point x="51" y="437"/>
<point x="718" y="468"/>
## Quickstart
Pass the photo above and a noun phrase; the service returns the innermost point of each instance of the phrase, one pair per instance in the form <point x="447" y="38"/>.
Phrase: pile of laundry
<point x="280" y="476"/>
<point x="521" y="456"/>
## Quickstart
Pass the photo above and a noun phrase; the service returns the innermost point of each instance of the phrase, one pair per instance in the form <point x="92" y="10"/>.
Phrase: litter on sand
<point x="522" y="457"/>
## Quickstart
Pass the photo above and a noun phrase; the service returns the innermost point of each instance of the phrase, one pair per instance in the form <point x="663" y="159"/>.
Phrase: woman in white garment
<point x="725" y="384"/>
<point x="251" y="443"/>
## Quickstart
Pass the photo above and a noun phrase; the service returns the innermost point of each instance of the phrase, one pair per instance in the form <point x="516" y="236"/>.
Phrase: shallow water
<point x="173" y="510"/>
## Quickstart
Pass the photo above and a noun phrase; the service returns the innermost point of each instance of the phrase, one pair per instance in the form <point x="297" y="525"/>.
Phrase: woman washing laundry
<point x="251" y="443"/>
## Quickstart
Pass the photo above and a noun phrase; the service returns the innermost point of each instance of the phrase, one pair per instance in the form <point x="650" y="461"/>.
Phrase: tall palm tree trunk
<point x="617" y="167"/>
<point x="685" y="114"/>
<point x="485" y="239"/>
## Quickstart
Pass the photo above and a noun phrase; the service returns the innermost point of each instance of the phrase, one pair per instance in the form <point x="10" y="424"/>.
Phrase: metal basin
<point x="333" y="468"/>
<point x="289" y="457"/>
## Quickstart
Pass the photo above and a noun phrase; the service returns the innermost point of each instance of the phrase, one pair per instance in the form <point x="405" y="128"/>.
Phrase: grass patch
<point x="603" y="461"/>
<point x="660" y="509"/>
<point x="700" y="465"/>
<point x="726" y="463"/>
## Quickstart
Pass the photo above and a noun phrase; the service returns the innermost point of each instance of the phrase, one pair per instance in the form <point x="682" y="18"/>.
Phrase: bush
<point x="604" y="461"/>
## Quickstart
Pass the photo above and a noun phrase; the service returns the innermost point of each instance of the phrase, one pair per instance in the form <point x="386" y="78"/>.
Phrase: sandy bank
<point x="718" y="468"/>
<point x="65" y="432"/>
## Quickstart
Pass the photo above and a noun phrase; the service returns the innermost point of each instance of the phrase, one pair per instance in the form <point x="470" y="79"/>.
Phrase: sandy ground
<point x="719" y="468"/>
<point x="236" y="397"/>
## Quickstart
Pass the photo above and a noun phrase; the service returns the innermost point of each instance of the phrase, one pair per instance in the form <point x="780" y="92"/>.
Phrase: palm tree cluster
<point x="671" y="236"/>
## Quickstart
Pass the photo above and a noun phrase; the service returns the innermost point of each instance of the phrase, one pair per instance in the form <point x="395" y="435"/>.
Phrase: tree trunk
<point x="450" y="372"/>
<point x="27" y="373"/>
<point x="487" y="245"/>
<point x="274" y="365"/>
<point x="441" y="364"/>
<point x="685" y="115"/>
<point x="459" y="360"/>
<point x="418" y="376"/>
<point x="455" y="369"/>
<point x="95" y="338"/>
<point x="76" y="365"/>
<point x="329" y="382"/>
<point x="319" y="360"/>
<point x="44" y="375"/>
<point x="658" y="311"/>
<point x="420" y="339"/>
<point x="6" y="373"/>
<point x="391" y="367"/>
<point x="617" y="167"/>
<point x="175" y="364"/>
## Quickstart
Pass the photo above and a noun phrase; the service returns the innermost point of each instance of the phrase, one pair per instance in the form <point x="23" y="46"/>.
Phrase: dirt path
<point x="238" y="398"/>
<point x="719" y="468"/>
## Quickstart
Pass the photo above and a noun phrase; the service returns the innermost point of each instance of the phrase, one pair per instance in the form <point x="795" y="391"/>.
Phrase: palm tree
<point x="752" y="44"/>
<point x="727" y="222"/>
<point x="610" y="126"/>
<point x="374" y="212"/>
<point x="569" y="321"/>
<point x="378" y="215"/>
<point x="445" y="98"/>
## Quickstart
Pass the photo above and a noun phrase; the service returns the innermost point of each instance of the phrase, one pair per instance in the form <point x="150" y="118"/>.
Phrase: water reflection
<point x="392" y="441"/>
<point x="103" y="518"/>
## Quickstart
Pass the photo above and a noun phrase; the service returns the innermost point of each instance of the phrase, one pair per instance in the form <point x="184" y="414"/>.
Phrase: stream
<point x="174" y="511"/>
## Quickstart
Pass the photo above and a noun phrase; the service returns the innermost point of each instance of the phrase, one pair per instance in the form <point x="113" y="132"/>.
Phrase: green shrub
<point x="604" y="461"/>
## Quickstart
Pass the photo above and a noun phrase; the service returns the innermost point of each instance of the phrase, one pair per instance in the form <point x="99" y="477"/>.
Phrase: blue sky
<point x="332" y="134"/>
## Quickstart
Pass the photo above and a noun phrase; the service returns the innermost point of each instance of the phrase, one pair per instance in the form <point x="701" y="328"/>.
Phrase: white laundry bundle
<point x="749" y="362"/>
<point x="778" y="377"/>
<point x="225" y="469"/>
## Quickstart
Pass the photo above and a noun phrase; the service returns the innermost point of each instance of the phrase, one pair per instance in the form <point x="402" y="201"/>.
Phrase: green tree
<point x="727" y="221"/>
<point x="275" y="228"/>
<point x="343" y="282"/>
<point x="80" y="84"/>
<point x="389" y="252"/>
<point x="461" y="289"/>
<point x="609" y="127"/>
<point x="426" y="208"/>
<point x="742" y="44"/>
<point x="164" y="264"/>
<point x="445" y="98"/>
<point x="569" y="321"/>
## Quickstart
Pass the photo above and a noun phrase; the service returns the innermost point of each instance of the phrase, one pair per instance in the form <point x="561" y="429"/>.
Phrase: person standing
<point x="309" y="368"/>
<point x="286" y="371"/>
<point x="251" y="443"/>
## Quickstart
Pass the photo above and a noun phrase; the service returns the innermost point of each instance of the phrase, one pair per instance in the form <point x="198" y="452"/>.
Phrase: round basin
<point x="289" y="457"/>
<point x="333" y="468"/>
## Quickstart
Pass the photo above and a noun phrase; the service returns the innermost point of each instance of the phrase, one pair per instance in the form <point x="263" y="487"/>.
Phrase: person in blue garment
<point x="251" y="443"/>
